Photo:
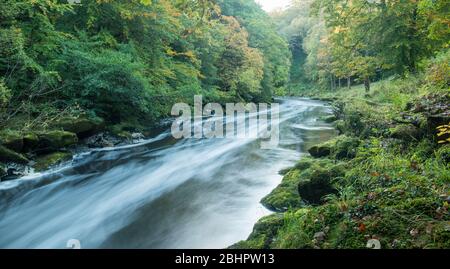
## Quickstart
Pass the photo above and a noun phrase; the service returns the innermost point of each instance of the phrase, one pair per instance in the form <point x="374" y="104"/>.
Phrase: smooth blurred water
<point x="191" y="193"/>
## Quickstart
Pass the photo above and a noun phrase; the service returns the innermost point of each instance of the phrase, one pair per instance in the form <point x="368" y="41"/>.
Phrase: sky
<point x="270" y="5"/>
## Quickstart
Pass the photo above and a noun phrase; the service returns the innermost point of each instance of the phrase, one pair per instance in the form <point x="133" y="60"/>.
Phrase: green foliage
<point x="130" y="61"/>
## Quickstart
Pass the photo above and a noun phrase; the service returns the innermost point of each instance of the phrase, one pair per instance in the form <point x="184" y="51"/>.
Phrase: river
<point x="162" y="193"/>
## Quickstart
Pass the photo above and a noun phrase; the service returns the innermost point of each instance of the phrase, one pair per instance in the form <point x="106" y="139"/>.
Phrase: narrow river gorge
<point x="163" y="193"/>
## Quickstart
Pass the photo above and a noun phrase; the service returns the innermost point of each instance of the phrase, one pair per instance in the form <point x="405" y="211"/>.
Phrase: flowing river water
<point x="162" y="193"/>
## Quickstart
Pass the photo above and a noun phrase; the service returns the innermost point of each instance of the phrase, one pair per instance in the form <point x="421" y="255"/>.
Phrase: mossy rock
<point x="12" y="140"/>
<point x="319" y="184"/>
<point x="329" y="118"/>
<point x="264" y="232"/>
<point x="322" y="150"/>
<point x="7" y="155"/>
<point x="285" y="195"/>
<point x="49" y="160"/>
<point x="81" y="126"/>
<point x="55" y="140"/>
<point x="340" y="126"/>
<point x="406" y="132"/>
<point x="341" y="147"/>
<point x="345" y="147"/>
<point x="30" y="141"/>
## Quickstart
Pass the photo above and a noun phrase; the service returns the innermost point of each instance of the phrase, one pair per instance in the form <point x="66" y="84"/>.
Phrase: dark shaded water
<point x="163" y="193"/>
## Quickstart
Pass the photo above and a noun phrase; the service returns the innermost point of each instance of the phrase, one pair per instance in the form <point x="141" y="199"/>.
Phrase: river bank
<point x="25" y="152"/>
<point x="385" y="177"/>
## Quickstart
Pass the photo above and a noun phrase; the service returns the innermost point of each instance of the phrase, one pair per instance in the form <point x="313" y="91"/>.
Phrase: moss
<point x="406" y="132"/>
<point x="12" y="140"/>
<point x="318" y="185"/>
<point x="443" y="154"/>
<point x="264" y="232"/>
<point x="340" y="147"/>
<point x="329" y="118"/>
<point x="391" y="191"/>
<point x="322" y="150"/>
<point x="30" y="141"/>
<point x="7" y="155"/>
<point x="285" y="195"/>
<point x="340" y="126"/>
<point x="57" y="139"/>
<point x="46" y="161"/>
<point x="82" y="126"/>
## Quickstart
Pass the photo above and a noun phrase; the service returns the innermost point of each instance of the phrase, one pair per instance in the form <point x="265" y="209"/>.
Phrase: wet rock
<point x="49" y="160"/>
<point x="15" y="171"/>
<point x="7" y="155"/>
<point x="55" y="140"/>
<point x="102" y="140"/>
<point x="11" y="140"/>
<point x="137" y="137"/>
<point x="406" y="132"/>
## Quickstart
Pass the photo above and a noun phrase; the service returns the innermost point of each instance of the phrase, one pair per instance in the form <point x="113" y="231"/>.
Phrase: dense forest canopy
<point x="360" y="41"/>
<point x="131" y="60"/>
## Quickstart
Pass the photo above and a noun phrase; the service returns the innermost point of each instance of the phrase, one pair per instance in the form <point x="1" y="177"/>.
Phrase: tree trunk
<point x="349" y="83"/>
<point x="367" y="84"/>
<point x="331" y="82"/>
<point x="339" y="81"/>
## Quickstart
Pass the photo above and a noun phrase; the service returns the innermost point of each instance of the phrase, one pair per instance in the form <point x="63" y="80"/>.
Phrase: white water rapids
<point x="191" y="193"/>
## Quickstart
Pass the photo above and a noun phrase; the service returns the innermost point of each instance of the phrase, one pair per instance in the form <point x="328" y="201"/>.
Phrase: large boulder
<point x="55" y="140"/>
<point x="7" y="155"/>
<point x="82" y="126"/>
<point x="11" y="140"/>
